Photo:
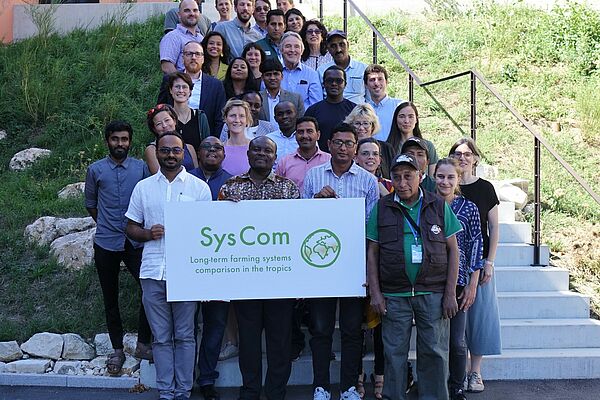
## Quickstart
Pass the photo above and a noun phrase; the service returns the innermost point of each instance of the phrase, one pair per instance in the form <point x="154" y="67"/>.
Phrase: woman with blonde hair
<point x="237" y="116"/>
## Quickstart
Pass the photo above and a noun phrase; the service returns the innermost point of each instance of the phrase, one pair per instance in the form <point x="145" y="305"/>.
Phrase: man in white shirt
<point x="172" y="324"/>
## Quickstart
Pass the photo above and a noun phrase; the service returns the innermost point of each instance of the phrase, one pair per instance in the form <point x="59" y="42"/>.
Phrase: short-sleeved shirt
<point x="304" y="81"/>
<point x="147" y="207"/>
<point x="329" y="116"/>
<point x="108" y="187"/>
<point x="354" y="183"/>
<point x="355" y="84"/>
<point x="294" y="166"/>
<point x="451" y="227"/>
<point x="237" y="35"/>
<point x="171" y="45"/>
<point x="483" y="194"/>
<point x="241" y="187"/>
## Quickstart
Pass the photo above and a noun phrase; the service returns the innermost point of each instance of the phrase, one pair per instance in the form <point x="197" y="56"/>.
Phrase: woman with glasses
<point x="238" y="118"/>
<point x="405" y="124"/>
<point x="315" y="53"/>
<point x="192" y="125"/>
<point x="239" y="78"/>
<point x="366" y="124"/>
<point x="470" y="245"/>
<point x="217" y="55"/>
<point x="483" y="321"/>
<point x="161" y="119"/>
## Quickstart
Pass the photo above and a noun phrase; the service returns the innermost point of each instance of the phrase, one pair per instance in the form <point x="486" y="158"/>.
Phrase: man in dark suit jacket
<point x="212" y="94"/>
<point x="272" y="75"/>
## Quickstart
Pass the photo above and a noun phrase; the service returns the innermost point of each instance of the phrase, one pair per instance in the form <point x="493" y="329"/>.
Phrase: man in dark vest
<point x="412" y="262"/>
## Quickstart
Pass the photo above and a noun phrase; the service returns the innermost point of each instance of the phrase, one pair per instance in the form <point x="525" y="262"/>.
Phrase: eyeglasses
<point x="346" y="143"/>
<point x="459" y="154"/>
<point x="193" y="54"/>
<point x="159" y="107"/>
<point x="365" y="124"/>
<point x="338" y="81"/>
<point x="313" y="31"/>
<point x="211" y="147"/>
<point x="167" y="150"/>
<point x="264" y="8"/>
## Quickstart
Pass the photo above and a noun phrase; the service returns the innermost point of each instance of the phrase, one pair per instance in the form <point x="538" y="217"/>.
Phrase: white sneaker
<point x="475" y="383"/>
<point x="351" y="394"/>
<point x="321" y="394"/>
<point x="230" y="350"/>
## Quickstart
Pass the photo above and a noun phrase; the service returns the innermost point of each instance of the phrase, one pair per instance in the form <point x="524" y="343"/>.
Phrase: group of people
<point x="280" y="110"/>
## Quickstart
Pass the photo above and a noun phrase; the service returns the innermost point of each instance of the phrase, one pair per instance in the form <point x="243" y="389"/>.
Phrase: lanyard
<point x="414" y="226"/>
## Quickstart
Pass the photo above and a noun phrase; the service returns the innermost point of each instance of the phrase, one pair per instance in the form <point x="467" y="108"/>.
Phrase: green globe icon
<point x="321" y="248"/>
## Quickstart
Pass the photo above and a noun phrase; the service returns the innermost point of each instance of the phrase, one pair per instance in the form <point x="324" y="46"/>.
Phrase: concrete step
<point x="550" y="333"/>
<point x="534" y="305"/>
<point x="515" y="232"/>
<point x="531" y="279"/>
<point x="506" y="211"/>
<point x="509" y="254"/>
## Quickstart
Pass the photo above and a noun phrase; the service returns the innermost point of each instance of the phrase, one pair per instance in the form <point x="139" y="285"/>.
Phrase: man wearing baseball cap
<point x="412" y="262"/>
<point x="417" y="149"/>
<point x="338" y="47"/>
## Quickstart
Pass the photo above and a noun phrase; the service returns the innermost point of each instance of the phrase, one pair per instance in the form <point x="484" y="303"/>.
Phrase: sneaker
<point x="230" y="350"/>
<point x="458" y="394"/>
<point x="350" y="394"/>
<point x="209" y="392"/>
<point x="475" y="383"/>
<point x="321" y="394"/>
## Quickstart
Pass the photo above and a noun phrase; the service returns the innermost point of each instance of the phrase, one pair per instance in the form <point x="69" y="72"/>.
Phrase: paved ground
<point x="495" y="390"/>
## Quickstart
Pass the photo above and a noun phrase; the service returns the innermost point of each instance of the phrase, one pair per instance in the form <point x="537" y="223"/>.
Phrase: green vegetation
<point x="58" y="93"/>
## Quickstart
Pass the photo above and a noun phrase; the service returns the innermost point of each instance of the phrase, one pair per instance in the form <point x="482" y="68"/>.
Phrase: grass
<point x="58" y="93"/>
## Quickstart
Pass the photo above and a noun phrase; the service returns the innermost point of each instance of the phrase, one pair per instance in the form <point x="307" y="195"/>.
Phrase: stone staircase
<point x="546" y="330"/>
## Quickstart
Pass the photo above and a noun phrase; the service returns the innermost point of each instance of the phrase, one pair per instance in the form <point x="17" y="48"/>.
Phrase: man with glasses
<point x="171" y="45"/>
<point x="334" y="108"/>
<point x="238" y="32"/>
<point x="261" y="9"/>
<point x="211" y="154"/>
<point x="339" y="178"/>
<point x="172" y="324"/>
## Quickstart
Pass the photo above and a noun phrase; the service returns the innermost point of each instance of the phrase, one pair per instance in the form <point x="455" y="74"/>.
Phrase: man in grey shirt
<point x="108" y="186"/>
<point x="238" y="32"/>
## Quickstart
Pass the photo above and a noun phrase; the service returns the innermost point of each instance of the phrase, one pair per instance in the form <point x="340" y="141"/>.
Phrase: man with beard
<point x="284" y="137"/>
<point x="338" y="47"/>
<point x="238" y="32"/>
<point x="274" y="316"/>
<point x="172" y="324"/>
<point x="171" y="45"/>
<point x="108" y="186"/>
<point x="172" y="19"/>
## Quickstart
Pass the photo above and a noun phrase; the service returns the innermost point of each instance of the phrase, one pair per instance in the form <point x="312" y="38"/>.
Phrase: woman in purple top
<point x="237" y="117"/>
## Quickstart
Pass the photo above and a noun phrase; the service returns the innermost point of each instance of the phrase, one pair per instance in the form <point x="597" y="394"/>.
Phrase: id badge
<point x="417" y="253"/>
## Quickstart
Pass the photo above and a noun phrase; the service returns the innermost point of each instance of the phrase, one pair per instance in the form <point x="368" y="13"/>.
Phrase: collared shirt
<point x="215" y="181"/>
<point x="354" y="183"/>
<point x="257" y="28"/>
<point x="241" y="187"/>
<point x="285" y="144"/>
<point x="273" y="101"/>
<point x="147" y="206"/>
<point x="194" y="100"/>
<point x="108" y="187"/>
<point x="304" y="81"/>
<point x="355" y="84"/>
<point x="171" y="45"/>
<point x="270" y="48"/>
<point x="237" y="35"/>
<point x="385" y="113"/>
<point x="294" y="166"/>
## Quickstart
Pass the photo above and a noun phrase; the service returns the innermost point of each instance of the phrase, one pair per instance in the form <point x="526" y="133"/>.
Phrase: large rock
<point x="25" y="158"/>
<point x="75" y="348"/>
<point x="75" y="250"/>
<point x="130" y="366"/>
<point x="67" y="367"/>
<point x="10" y="351"/>
<point x="130" y="343"/>
<point x="73" y="190"/>
<point x="508" y="192"/>
<point x="98" y="362"/>
<point x="487" y="171"/>
<point x="30" y="366"/>
<point x="102" y="344"/>
<point x="44" y="345"/>
<point x="44" y="230"/>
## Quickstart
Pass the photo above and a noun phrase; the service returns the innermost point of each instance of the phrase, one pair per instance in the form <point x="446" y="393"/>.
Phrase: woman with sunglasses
<point x="315" y="52"/>
<point x="161" y="119"/>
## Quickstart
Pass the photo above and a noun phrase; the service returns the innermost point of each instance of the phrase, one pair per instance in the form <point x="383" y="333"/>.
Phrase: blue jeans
<point x="174" y="344"/>
<point x="214" y="320"/>
<point x="432" y="346"/>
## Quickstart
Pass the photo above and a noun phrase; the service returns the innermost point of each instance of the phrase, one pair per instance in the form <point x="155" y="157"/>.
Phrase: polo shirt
<point x="294" y="166"/>
<point x="171" y="45"/>
<point x="147" y="206"/>
<point x="355" y="84"/>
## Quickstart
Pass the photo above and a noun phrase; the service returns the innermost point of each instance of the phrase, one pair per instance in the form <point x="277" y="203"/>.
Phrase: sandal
<point x="115" y="362"/>
<point x="360" y="385"/>
<point x="377" y="385"/>
<point x="143" y="351"/>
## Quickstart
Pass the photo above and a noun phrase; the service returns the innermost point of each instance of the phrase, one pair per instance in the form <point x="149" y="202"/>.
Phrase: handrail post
<point x="411" y="88"/>
<point x="346" y="16"/>
<point x="374" y="48"/>
<point x="537" y="205"/>
<point x="473" y="106"/>
<point x="321" y="11"/>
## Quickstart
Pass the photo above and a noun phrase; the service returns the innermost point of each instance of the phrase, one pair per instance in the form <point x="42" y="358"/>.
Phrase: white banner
<point x="264" y="249"/>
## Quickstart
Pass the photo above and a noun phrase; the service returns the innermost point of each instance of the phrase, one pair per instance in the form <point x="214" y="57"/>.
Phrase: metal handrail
<point x="475" y="76"/>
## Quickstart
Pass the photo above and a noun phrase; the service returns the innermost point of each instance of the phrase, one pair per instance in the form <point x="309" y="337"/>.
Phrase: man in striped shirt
<point x="341" y="177"/>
